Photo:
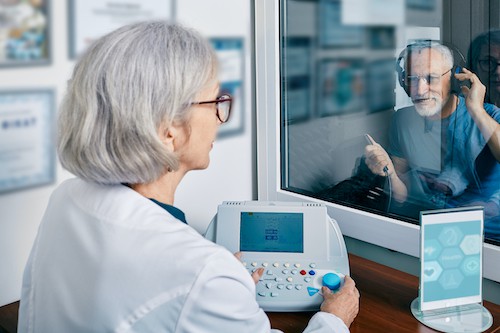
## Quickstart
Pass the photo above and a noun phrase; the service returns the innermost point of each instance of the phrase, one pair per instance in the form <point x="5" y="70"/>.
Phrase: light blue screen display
<point x="451" y="260"/>
<point x="272" y="232"/>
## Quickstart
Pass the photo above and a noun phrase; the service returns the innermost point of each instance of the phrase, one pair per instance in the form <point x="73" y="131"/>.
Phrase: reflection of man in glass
<point x="483" y="59"/>
<point x="433" y="145"/>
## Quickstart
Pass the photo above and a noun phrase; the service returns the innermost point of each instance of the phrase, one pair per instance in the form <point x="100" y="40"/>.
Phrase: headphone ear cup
<point x="455" y="86"/>
<point x="402" y="76"/>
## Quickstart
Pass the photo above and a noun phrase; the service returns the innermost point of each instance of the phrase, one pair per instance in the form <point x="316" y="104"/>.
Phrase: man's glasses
<point x="489" y="65"/>
<point x="223" y="105"/>
<point x="431" y="79"/>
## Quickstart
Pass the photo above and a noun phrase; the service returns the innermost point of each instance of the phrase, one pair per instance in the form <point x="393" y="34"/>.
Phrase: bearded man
<point x="433" y="145"/>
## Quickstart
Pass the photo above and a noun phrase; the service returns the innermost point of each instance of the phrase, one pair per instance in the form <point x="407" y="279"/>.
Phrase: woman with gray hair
<point x="112" y="253"/>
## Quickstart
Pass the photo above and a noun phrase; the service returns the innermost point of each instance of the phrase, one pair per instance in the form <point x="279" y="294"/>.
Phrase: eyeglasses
<point x="223" y="104"/>
<point x="489" y="65"/>
<point x="431" y="79"/>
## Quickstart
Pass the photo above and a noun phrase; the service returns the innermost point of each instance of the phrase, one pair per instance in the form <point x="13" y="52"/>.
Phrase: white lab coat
<point x="107" y="259"/>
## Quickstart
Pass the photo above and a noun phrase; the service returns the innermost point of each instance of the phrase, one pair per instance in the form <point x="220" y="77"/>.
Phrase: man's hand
<point x="377" y="159"/>
<point x="255" y="275"/>
<point x="474" y="96"/>
<point x="344" y="304"/>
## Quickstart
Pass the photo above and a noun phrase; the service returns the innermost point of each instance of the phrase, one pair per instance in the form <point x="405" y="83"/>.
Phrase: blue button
<point x="332" y="281"/>
<point x="312" y="291"/>
<point x="311" y="272"/>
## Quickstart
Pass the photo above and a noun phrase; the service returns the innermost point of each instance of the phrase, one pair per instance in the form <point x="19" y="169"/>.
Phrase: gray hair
<point x="126" y="87"/>
<point x="421" y="45"/>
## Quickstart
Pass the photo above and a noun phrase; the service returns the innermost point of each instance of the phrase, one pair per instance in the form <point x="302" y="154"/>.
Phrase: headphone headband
<point x="421" y="44"/>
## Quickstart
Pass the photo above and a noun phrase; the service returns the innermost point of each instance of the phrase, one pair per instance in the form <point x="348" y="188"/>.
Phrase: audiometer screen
<point x="272" y="232"/>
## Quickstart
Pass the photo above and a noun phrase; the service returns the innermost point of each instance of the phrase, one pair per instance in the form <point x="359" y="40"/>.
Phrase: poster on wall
<point x="230" y="54"/>
<point x="24" y="33"/>
<point x="91" y="19"/>
<point x="27" y="154"/>
<point x="341" y="86"/>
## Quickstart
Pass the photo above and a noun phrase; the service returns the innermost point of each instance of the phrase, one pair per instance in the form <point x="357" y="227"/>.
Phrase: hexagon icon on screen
<point x="471" y="265"/>
<point x="432" y="271"/>
<point x="471" y="244"/>
<point x="451" y="258"/>
<point x="450" y="236"/>
<point x="451" y="279"/>
<point x="432" y="249"/>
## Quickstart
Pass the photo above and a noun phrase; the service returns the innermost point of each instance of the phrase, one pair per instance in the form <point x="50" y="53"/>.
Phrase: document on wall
<point x="91" y="19"/>
<point x="27" y="154"/>
<point x="230" y="54"/>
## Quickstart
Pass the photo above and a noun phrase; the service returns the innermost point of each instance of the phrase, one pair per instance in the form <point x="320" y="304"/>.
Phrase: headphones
<point x="458" y="63"/>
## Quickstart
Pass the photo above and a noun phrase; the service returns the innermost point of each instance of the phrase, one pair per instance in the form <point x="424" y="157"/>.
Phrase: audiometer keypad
<point x="288" y="280"/>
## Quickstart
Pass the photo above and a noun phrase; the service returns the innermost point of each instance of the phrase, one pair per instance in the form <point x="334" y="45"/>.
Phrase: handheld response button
<point x="332" y="281"/>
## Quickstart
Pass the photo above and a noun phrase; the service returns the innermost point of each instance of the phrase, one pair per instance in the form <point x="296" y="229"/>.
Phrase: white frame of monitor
<point x="371" y="228"/>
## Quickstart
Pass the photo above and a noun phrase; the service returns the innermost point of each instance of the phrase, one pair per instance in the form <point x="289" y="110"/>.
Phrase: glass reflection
<point x="375" y="118"/>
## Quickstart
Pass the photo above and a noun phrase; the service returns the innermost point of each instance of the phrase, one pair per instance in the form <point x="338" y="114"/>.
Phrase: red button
<point x="303" y="272"/>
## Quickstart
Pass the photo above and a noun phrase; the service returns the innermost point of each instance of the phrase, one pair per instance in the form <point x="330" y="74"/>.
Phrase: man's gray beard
<point x="429" y="112"/>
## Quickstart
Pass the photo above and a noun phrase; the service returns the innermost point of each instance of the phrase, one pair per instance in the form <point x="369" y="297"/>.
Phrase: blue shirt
<point x="446" y="149"/>
<point x="174" y="211"/>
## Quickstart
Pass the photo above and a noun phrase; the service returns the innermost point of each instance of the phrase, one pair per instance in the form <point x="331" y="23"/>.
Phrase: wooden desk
<point x="386" y="295"/>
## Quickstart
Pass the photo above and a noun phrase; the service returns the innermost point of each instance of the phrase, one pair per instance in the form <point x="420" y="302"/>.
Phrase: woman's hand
<point x="258" y="272"/>
<point x="344" y="304"/>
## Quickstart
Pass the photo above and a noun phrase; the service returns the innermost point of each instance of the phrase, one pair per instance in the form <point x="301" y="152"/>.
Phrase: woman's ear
<point x="172" y="137"/>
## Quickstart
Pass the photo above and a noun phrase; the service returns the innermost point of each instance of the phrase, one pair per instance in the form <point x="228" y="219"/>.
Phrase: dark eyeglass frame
<point x="429" y="78"/>
<point x="221" y="99"/>
<point x="488" y="65"/>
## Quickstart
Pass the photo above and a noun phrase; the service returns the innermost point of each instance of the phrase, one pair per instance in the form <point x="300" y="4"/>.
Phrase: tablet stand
<point x="464" y="318"/>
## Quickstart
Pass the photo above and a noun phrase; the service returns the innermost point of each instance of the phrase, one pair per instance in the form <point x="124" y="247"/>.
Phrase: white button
<point x="286" y="265"/>
<point x="297" y="265"/>
<point x="265" y="264"/>
<point x="254" y="264"/>
<point x="289" y="287"/>
<point x="274" y="294"/>
<point x="262" y="294"/>
<point x="278" y="279"/>
<point x="294" y="271"/>
<point x="269" y="272"/>
<point x="269" y="285"/>
<point x="285" y="271"/>
<point x="298" y="286"/>
<point x="312" y="265"/>
<point x="280" y="286"/>
<point x="276" y="264"/>
<point x="289" y="279"/>
<point x="307" y="279"/>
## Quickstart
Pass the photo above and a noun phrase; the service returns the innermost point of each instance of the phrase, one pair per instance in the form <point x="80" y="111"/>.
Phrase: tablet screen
<point x="451" y="245"/>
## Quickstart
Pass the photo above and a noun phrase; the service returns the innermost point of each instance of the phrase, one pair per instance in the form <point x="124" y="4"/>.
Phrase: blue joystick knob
<point x="332" y="281"/>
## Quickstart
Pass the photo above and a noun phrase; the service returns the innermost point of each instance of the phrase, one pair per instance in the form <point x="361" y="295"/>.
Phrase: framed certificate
<point x="230" y="53"/>
<point x="27" y="154"/>
<point x="91" y="19"/>
<point x="24" y="33"/>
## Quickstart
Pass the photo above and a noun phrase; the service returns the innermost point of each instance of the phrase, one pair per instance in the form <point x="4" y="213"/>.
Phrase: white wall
<point x="229" y="177"/>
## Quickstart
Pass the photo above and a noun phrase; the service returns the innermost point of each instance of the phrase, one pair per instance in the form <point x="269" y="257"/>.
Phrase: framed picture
<point x="27" y="152"/>
<point x="381" y="79"/>
<point x="91" y="19"/>
<point x="341" y="86"/>
<point x="230" y="53"/>
<point x="421" y="4"/>
<point x="24" y="33"/>
<point x="297" y="78"/>
<point x="332" y="32"/>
